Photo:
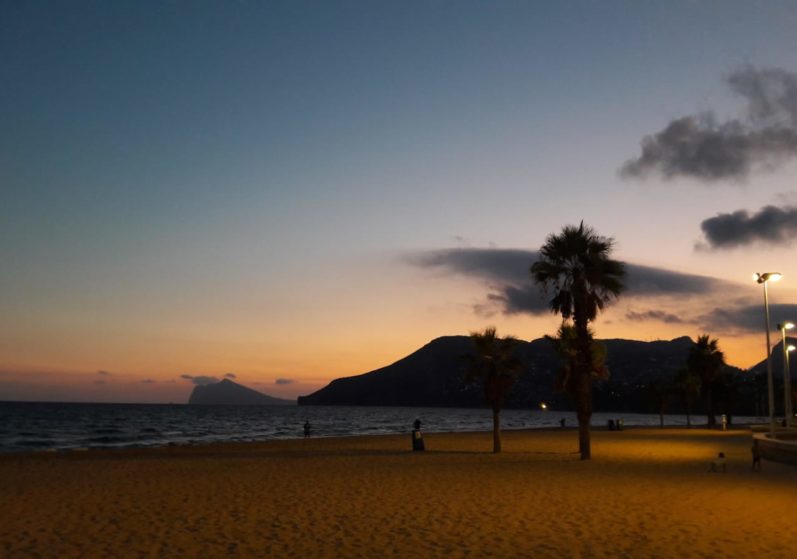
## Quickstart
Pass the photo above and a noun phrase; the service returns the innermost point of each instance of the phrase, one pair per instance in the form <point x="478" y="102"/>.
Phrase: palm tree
<point x="495" y="363"/>
<point x="565" y="343"/>
<point x="688" y="384"/>
<point x="706" y="361"/>
<point x="659" y="392"/>
<point x="575" y="265"/>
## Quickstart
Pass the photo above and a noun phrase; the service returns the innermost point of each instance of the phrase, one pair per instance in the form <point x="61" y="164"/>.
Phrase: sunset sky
<point x="290" y="192"/>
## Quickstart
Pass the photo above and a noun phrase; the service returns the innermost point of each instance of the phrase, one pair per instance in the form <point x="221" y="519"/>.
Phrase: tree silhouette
<point x="688" y="386"/>
<point x="659" y="392"/>
<point x="706" y="361"/>
<point x="575" y="265"/>
<point x="495" y="364"/>
<point x="565" y="343"/>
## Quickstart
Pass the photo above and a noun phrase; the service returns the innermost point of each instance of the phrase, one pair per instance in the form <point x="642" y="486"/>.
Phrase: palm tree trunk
<point x="710" y="419"/>
<point x="688" y="414"/>
<point x="584" y="413"/>
<point x="496" y="431"/>
<point x="584" y="380"/>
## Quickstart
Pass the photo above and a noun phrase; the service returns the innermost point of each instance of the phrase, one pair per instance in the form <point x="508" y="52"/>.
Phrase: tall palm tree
<point x="565" y="343"/>
<point x="575" y="265"/>
<point x="706" y="361"/>
<point x="688" y="385"/>
<point x="495" y="363"/>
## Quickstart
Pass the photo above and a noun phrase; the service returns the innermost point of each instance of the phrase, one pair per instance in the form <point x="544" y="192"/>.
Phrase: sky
<point x="285" y="193"/>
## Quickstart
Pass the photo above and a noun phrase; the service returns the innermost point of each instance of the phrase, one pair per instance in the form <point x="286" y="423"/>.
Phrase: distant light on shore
<point x="543" y="406"/>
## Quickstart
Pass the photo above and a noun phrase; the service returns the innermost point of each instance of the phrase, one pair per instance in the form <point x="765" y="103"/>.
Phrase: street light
<point x="764" y="279"/>
<point x="789" y="412"/>
<point x="786" y="371"/>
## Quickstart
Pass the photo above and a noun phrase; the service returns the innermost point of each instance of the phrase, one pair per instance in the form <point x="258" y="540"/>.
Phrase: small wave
<point x="107" y="431"/>
<point x="149" y="430"/>
<point x="108" y="440"/>
<point x="32" y="443"/>
<point x="34" y="434"/>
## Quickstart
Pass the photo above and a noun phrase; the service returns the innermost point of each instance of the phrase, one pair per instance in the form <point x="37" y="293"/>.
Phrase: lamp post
<point x="786" y="372"/>
<point x="787" y="387"/>
<point x="764" y="279"/>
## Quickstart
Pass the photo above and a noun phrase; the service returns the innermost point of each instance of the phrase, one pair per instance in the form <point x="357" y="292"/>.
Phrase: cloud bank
<point x="656" y="315"/>
<point x="770" y="225"/>
<point x="748" y="318"/>
<point x="200" y="380"/>
<point x="506" y="273"/>
<point x="702" y="148"/>
<point x="703" y="303"/>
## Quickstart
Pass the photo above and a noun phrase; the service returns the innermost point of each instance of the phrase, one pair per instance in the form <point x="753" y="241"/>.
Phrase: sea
<point x="47" y="426"/>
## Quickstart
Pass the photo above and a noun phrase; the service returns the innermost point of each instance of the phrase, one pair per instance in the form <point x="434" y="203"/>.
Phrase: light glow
<point x="767" y="276"/>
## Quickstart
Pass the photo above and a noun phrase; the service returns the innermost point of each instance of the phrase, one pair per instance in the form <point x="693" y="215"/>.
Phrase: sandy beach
<point x="646" y="493"/>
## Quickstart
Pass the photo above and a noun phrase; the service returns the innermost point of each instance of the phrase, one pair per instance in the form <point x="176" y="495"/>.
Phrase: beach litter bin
<point x="417" y="437"/>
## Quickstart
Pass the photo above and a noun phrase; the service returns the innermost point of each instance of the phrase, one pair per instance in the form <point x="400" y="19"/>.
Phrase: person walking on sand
<point x="306" y="429"/>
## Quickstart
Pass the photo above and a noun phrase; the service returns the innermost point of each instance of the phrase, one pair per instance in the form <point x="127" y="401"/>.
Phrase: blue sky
<point x="210" y="183"/>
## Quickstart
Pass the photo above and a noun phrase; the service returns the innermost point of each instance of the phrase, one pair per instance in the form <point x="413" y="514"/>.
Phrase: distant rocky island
<point x="231" y="393"/>
<point x="433" y="376"/>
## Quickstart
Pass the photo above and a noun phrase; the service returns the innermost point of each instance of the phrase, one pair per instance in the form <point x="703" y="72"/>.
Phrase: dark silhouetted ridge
<point x="231" y="393"/>
<point x="433" y="376"/>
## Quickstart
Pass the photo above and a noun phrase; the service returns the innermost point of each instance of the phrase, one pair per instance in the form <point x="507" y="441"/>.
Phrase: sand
<point x="646" y="493"/>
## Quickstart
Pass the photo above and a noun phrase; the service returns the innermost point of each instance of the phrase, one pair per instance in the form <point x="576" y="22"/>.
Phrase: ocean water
<point x="30" y="426"/>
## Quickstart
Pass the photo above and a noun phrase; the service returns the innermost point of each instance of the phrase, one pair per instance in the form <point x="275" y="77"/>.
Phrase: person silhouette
<point x="718" y="465"/>
<point x="306" y="429"/>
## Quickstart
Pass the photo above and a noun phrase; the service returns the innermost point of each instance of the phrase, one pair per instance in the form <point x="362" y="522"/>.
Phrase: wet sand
<point x="646" y="493"/>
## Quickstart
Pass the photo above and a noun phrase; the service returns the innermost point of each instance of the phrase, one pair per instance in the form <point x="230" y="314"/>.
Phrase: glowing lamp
<point x="767" y="276"/>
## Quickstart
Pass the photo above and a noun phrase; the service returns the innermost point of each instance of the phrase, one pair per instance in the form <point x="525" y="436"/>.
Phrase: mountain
<point x="228" y="392"/>
<point x="433" y="376"/>
<point x="760" y="368"/>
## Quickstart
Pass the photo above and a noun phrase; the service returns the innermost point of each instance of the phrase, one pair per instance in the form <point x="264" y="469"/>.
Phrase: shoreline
<point x="645" y="493"/>
<point x="547" y="428"/>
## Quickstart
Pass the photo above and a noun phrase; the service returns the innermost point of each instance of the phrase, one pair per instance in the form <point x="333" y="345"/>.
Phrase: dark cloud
<point x="200" y="380"/>
<point x="747" y="318"/>
<point x="504" y="265"/>
<point x="230" y="375"/>
<point x="657" y="315"/>
<point x="99" y="382"/>
<point x="506" y="273"/>
<point x="148" y="381"/>
<point x="700" y="147"/>
<point x="770" y="225"/>
<point x="647" y="280"/>
<point x="104" y="373"/>
<point x="284" y="381"/>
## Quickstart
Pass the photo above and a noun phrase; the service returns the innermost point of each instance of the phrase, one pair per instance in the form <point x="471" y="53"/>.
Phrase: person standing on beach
<point x="306" y="429"/>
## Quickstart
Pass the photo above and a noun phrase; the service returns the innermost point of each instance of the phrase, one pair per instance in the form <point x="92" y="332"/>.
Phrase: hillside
<point x="433" y="376"/>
